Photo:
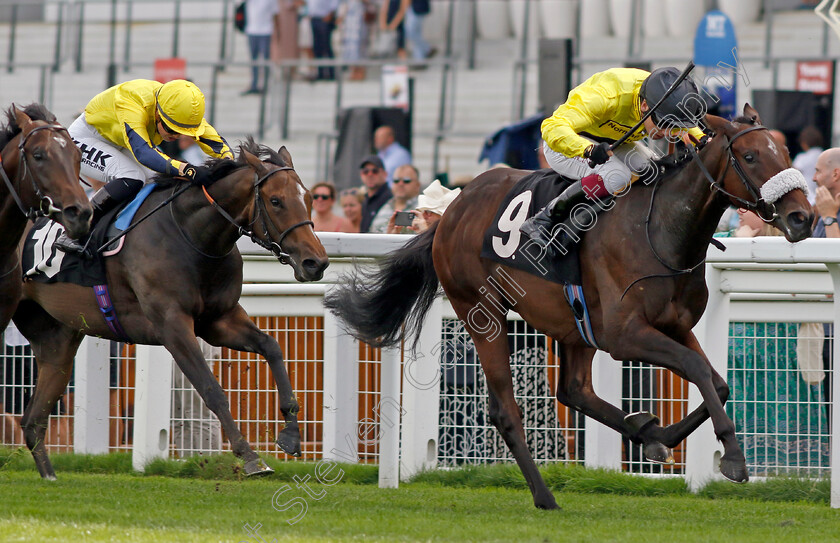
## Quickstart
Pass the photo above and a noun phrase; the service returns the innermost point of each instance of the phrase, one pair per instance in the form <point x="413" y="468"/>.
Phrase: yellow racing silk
<point x="125" y="116"/>
<point x="605" y="106"/>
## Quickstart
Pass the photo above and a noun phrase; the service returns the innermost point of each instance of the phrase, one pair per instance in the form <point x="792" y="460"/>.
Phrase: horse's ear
<point x="254" y="162"/>
<point x="21" y="118"/>
<point x="287" y="158"/>
<point x="751" y="113"/>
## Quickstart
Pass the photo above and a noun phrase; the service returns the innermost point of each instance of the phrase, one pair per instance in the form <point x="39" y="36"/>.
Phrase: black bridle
<point x="758" y="205"/>
<point x="260" y="214"/>
<point x="766" y="211"/>
<point x="46" y="206"/>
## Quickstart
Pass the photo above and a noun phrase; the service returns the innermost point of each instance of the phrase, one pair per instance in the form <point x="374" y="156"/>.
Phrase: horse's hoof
<point x="289" y="440"/>
<point x="734" y="470"/>
<point x="547" y="503"/>
<point x="638" y="421"/>
<point x="49" y="477"/>
<point x="257" y="468"/>
<point x="659" y="453"/>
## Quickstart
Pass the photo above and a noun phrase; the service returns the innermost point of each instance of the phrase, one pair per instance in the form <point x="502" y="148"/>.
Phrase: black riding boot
<point x="539" y="227"/>
<point x="103" y="201"/>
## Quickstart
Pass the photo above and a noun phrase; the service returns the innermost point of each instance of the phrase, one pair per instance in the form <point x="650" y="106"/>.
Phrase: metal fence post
<point x="603" y="444"/>
<point x="702" y="450"/>
<point x="421" y="397"/>
<point x="389" y="419"/>
<point x="834" y="270"/>
<point x="341" y="396"/>
<point x="152" y="401"/>
<point x="90" y="412"/>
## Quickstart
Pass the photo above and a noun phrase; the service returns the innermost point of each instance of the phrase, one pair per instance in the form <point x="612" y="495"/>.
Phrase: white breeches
<point x="102" y="161"/>
<point x="629" y="159"/>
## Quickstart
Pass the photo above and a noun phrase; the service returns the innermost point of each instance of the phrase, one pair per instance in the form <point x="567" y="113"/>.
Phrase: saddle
<point x="504" y="243"/>
<point x="44" y="263"/>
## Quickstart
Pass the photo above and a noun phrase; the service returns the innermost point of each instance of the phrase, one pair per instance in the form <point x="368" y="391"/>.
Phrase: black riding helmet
<point x="680" y="110"/>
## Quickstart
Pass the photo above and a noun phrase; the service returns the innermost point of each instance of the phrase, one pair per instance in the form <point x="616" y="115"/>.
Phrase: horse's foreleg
<point x="575" y="390"/>
<point x="236" y="331"/>
<point x="54" y="346"/>
<point x="652" y="346"/>
<point x="180" y="341"/>
<point x="673" y="434"/>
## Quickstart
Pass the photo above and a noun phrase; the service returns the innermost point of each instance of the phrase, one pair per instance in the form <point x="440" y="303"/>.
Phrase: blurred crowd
<point x="304" y="29"/>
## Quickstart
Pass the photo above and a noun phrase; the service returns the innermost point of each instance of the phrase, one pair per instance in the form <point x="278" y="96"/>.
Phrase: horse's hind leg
<point x="236" y="331"/>
<point x="494" y="356"/>
<point x="54" y="346"/>
<point x="180" y="341"/>
<point x="574" y="389"/>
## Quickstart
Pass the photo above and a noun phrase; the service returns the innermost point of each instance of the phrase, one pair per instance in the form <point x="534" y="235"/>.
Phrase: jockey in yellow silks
<point x="119" y="132"/>
<point x="577" y="137"/>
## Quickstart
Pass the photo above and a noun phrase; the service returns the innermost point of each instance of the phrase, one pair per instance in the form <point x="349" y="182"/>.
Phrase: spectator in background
<point x="827" y="205"/>
<point x="776" y="403"/>
<point x="260" y="22"/>
<point x="393" y="154"/>
<point x="375" y="181"/>
<point x="323" y="199"/>
<point x="811" y="142"/>
<point x="284" y="43"/>
<point x="353" y="23"/>
<point x="406" y="188"/>
<point x="323" y="15"/>
<point x="391" y="18"/>
<point x="189" y="151"/>
<point x="351" y="204"/>
<point x="431" y="205"/>
<point x="417" y="11"/>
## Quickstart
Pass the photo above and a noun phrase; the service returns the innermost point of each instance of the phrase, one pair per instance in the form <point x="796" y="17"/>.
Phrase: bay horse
<point x="178" y="277"/>
<point x="40" y="177"/>
<point x="641" y="274"/>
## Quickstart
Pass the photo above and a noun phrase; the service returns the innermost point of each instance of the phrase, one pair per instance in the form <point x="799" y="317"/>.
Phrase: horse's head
<point x="285" y="207"/>
<point x="758" y="176"/>
<point x="44" y="163"/>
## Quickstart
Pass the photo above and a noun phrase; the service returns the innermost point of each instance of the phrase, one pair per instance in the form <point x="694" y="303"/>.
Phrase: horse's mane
<point x="222" y="167"/>
<point x="35" y="111"/>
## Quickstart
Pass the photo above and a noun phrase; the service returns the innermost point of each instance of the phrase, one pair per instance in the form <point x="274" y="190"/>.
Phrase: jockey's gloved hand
<point x="199" y="175"/>
<point x="597" y="153"/>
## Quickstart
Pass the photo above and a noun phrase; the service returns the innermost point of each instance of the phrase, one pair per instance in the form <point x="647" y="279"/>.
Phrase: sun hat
<point x="436" y="198"/>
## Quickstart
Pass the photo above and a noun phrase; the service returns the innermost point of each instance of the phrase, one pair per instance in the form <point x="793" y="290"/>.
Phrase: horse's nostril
<point x="797" y="219"/>
<point x="71" y="212"/>
<point x="314" y="266"/>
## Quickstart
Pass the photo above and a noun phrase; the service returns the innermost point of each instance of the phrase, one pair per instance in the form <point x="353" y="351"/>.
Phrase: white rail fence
<point x="760" y="280"/>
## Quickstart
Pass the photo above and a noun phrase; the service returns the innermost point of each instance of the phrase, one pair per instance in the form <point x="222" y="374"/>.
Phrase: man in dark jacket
<point x="375" y="178"/>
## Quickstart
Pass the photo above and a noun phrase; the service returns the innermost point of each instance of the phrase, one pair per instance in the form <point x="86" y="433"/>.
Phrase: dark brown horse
<point x="178" y="276"/>
<point x="659" y="232"/>
<point x="40" y="177"/>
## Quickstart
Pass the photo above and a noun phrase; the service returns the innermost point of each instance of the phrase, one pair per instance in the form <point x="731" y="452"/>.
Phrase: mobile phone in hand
<point x="404" y="218"/>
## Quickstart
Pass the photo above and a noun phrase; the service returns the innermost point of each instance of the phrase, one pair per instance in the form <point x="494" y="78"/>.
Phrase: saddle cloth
<point x="504" y="243"/>
<point x="44" y="263"/>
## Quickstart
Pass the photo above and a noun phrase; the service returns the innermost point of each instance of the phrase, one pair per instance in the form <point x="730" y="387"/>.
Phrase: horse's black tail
<point x="375" y="303"/>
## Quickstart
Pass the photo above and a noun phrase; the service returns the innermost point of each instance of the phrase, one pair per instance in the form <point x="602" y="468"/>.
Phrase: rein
<point x="46" y="206"/>
<point x="273" y="246"/>
<point x="758" y="205"/>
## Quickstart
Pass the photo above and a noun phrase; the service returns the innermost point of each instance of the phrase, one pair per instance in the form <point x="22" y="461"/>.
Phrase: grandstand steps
<point x="481" y="104"/>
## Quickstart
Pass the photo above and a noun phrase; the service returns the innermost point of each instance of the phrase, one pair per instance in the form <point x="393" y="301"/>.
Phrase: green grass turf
<point x="108" y="507"/>
<point x="99" y="498"/>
